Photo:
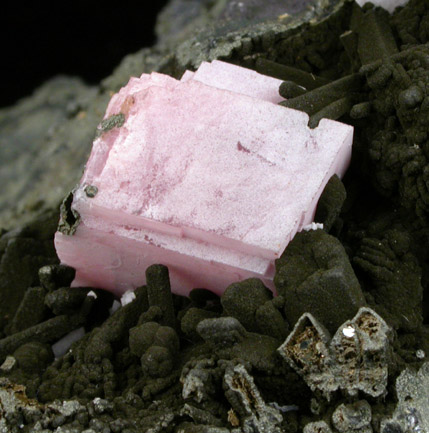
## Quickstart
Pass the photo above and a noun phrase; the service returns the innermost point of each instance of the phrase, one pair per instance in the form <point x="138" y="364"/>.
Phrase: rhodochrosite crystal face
<point x="207" y="175"/>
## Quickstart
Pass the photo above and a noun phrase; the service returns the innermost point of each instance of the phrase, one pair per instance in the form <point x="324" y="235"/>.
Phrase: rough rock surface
<point x="37" y="136"/>
<point x="314" y="275"/>
<point x="411" y="412"/>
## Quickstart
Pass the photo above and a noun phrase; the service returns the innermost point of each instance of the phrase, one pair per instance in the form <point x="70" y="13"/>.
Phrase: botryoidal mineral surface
<point x="342" y="348"/>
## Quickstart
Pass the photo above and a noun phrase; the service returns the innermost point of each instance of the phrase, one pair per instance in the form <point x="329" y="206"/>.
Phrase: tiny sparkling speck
<point x="349" y="331"/>
<point x="420" y="354"/>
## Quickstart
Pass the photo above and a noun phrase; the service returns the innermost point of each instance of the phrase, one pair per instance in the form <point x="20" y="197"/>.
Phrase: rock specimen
<point x="198" y="178"/>
<point x="314" y="276"/>
<point x="411" y="413"/>
<point x="44" y="141"/>
<point x="355" y="359"/>
<point x="124" y="386"/>
<point x="253" y="413"/>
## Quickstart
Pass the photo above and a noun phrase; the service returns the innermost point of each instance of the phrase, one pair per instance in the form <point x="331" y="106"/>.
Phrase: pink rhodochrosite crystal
<point x="206" y="177"/>
<point x="240" y="80"/>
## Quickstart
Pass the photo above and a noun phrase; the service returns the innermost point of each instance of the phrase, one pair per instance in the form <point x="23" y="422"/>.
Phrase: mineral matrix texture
<point x="342" y="348"/>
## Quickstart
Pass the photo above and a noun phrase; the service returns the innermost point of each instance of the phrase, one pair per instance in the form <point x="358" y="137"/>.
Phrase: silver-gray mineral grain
<point x="197" y="379"/>
<point x="412" y="410"/>
<point x="352" y="417"/>
<point x="355" y="359"/>
<point x="15" y="407"/>
<point x="317" y="427"/>
<point x="306" y="351"/>
<point x="200" y="416"/>
<point x="362" y="345"/>
<point x="254" y="415"/>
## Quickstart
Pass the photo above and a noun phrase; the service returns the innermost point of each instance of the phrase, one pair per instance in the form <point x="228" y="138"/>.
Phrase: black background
<point x="87" y="39"/>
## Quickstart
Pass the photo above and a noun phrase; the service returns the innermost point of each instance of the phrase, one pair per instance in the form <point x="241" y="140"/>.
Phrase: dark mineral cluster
<point x="344" y="345"/>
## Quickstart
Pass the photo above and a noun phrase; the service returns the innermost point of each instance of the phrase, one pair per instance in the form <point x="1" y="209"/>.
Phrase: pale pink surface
<point x="118" y="263"/>
<point x="187" y="76"/>
<point x="121" y="101"/>
<point x="263" y="194"/>
<point x="237" y="79"/>
<point x="214" y="190"/>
